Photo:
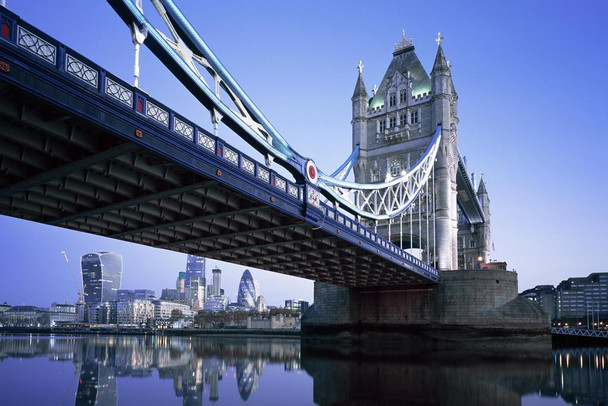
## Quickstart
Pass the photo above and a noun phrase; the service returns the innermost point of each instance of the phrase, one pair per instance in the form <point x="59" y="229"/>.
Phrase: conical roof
<point x="440" y="64"/>
<point x="360" y="87"/>
<point x="481" y="189"/>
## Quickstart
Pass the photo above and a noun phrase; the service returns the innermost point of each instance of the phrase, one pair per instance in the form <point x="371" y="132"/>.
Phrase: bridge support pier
<point x="464" y="305"/>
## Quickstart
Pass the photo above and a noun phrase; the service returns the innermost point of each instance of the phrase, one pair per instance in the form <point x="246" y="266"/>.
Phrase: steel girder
<point x="184" y="49"/>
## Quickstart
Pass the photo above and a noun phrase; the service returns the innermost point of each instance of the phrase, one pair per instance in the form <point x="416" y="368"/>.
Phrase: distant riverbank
<point x="145" y="331"/>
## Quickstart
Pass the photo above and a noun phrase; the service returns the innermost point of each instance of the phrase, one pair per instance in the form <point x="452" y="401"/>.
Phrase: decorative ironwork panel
<point x="183" y="128"/>
<point x="263" y="174"/>
<point x="231" y="156"/>
<point x="206" y="142"/>
<point x="36" y="45"/>
<point x="313" y="197"/>
<point x="156" y="113"/>
<point x="248" y="165"/>
<point x="292" y="190"/>
<point x="119" y="92"/>
<point x="81" y="70"/>
<point x="280" y="183"/>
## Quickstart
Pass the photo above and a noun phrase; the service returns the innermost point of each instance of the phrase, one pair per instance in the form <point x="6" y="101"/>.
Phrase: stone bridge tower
<point x="393" y="128"/>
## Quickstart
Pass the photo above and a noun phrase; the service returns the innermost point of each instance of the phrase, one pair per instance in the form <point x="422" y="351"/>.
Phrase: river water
<point x="232" y="370"/>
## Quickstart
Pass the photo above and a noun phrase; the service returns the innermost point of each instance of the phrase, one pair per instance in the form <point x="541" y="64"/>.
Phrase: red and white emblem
<point x="311" y="172"/>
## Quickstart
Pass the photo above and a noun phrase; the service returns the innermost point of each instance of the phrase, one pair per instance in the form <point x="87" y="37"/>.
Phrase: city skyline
<point x="528" y="103"/>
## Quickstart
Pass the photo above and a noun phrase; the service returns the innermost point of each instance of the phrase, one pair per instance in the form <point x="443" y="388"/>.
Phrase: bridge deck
<point x="83" y="150"/>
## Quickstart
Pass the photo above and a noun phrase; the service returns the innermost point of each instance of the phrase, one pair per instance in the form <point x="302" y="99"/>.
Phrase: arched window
<point x="397" y="164"/>
<point x="374" y="175"/>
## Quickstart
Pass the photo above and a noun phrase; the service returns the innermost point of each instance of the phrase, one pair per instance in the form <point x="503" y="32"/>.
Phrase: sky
<point x="531" y="104"/>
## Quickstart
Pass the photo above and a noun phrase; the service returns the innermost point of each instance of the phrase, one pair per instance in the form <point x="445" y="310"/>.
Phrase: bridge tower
<point x="393" y="128"/>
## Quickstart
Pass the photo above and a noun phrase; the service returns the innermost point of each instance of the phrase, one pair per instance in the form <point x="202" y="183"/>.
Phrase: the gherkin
<point x="248" y="292"/>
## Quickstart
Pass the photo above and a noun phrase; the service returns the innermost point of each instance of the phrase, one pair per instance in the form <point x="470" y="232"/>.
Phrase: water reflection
<point x="204" y="369"/>
<point x="191" y="363"/>
<point x="580" y="376"/>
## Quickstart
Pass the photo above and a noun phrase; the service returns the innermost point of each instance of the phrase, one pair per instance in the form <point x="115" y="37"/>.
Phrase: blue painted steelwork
<point x="470" y="207"/>
<point x="84" y="89"/>
<point x="579" y="332"/>
<point x="375" y="201"/>
<point x="342" y="172"/>
<point x="271" y="142"/>
<point x="381" y="201"/>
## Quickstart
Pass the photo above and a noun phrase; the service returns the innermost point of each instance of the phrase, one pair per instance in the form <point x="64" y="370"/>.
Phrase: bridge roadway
<point x="81" y="149"/>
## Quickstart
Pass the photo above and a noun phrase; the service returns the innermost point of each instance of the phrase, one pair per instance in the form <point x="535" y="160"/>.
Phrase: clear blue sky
<point x="531" y="85"/>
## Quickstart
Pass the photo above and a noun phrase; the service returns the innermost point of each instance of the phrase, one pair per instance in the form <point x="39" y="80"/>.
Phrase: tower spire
<point x="360" y="90"/>
<point x="441" y="64"/>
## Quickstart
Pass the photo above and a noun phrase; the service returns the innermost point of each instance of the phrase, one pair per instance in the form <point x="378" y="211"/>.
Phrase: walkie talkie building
<point x="101" y="276"/>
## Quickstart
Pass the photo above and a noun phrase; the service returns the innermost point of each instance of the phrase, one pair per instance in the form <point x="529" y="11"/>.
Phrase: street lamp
<point x="479" y="259"/>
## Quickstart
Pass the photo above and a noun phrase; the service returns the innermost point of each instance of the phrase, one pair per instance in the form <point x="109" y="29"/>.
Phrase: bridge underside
<point x="58" y="169"/>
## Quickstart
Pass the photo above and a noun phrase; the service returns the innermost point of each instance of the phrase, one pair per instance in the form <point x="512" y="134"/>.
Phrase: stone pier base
<point x="480" y="304"/>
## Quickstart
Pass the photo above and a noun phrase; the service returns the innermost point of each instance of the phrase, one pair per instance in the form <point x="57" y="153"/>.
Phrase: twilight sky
<point x="531" y="87"/>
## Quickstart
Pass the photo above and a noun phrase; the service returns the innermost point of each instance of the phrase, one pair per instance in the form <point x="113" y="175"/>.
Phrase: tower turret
<point x="443" y="113"/>
<point x="360" y="101"/>
<point x="486" y="236"/>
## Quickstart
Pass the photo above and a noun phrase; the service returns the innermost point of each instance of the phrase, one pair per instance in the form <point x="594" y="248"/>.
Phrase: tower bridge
<point x="82" y="149"/>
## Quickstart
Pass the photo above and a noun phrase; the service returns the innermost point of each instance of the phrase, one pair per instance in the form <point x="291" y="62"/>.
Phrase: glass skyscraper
<point x="195" y="268"/>
<point x="101" y="275"/>
<point x="248" y="292"/>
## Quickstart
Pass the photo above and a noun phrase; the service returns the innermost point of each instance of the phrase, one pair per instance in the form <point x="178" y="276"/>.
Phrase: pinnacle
<point x="440" y="62"/>
<point x="360" y="87"/>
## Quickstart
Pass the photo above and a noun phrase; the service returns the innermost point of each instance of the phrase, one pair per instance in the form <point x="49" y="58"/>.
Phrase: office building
<point x="216" y="288"/>
<point x="248" y="293"/>
<point x="101" y="276"/>
<point x="195" y="268"/>
<point x="296" y="305"/>
<point x="136" y="311"/>
<point x="583" y="298"/>
<point x="195" y="293"/>
<point x="580" y="301"/>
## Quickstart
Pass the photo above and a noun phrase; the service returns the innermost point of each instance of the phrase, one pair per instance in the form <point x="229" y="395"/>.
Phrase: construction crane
<point x="80" y="291"/>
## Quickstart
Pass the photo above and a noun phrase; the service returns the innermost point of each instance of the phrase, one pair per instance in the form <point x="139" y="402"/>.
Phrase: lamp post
<point x="479" y="259"/>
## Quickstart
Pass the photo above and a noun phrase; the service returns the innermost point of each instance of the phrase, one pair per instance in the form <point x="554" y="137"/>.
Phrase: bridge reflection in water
<point x="108" y="370"/>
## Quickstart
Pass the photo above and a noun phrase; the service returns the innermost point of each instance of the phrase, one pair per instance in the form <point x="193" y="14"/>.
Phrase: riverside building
<point x="577" y="301"/>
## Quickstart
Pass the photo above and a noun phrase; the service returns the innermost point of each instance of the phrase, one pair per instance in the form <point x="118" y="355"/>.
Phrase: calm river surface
<point x="160" y="370"/>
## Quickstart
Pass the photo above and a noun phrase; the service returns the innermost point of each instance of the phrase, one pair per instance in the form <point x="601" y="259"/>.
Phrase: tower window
<point x="381" y="125"/>
<point x="374" y="175"/>
<point x="391" y="99"/>
<point x="392" y="122"/>
<point x="396" y="165"/>
<point x="402" y="97"/>
<point x="415" y="117"/>
<point x="402" y="119"/>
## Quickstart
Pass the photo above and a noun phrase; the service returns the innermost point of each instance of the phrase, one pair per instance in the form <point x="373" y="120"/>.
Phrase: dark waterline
<point x="117" y="370"/>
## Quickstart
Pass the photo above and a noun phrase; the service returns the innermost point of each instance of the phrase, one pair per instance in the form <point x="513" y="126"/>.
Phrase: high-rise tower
<point x="195" y="268"/>
<point x="248" y="292"/>
<point x="216" y="288"/>
<point x="101" y="276"/>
